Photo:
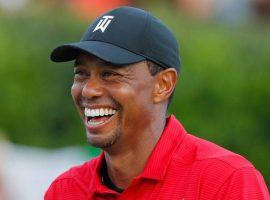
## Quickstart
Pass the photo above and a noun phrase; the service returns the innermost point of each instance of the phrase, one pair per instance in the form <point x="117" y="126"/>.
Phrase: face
<point x="115" y="103"/>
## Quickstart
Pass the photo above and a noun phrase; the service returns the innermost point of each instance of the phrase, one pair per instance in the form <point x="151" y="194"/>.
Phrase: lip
<point x="93" y="129"/>
<point x="96" y="106"/>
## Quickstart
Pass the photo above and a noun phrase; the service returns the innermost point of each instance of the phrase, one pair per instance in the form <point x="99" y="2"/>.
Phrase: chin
<point x="103" y="141"/>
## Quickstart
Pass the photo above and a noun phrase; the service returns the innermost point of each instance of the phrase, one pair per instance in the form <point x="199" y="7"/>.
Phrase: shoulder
<point x="209" y="162"/>
<point x="219" y="170"/>
<point x="203" y="151"/>
<point x="76" y="179"/>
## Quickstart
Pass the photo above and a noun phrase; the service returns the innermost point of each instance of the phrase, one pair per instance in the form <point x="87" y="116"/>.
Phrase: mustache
<point x="98" y="101"/>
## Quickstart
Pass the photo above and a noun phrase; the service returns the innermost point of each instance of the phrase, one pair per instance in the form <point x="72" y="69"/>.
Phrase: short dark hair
<point x="154" y="69"/>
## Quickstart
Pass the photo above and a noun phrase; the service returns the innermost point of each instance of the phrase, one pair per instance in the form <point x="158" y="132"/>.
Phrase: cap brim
<point x="102" y="50"/>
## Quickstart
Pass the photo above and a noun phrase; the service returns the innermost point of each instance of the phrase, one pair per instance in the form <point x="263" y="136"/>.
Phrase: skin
<point x="140" y="100"/>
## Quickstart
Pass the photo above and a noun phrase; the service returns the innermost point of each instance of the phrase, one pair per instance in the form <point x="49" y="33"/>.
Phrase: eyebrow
<point x="99" y="62"/>
<point x="77" y="62"/>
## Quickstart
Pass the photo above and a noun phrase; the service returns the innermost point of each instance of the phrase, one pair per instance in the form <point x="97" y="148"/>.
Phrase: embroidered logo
<point x="103" y="23"/>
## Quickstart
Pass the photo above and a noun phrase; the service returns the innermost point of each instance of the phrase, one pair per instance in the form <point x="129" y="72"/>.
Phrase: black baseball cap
<point x="124" y="36"/>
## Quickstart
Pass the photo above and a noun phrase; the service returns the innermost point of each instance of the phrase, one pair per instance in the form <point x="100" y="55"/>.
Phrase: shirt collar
<point x="161" y="155"/>
<point x="96" y="185"/>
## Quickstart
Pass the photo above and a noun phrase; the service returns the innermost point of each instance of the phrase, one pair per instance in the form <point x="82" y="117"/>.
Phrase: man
<point x="126" y="68"/>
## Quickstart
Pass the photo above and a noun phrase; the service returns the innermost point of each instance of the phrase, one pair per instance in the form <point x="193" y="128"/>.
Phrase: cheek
<point x="140" y="92"/>
<point x="136" y="113"/>
<point x="125" y="96"/>
<point x="76" y="92"/>
<point x="135" y="101"/>
<point x="76" y="96"/>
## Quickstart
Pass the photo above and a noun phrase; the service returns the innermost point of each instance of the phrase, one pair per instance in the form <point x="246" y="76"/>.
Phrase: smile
<point x="98" y="116"/>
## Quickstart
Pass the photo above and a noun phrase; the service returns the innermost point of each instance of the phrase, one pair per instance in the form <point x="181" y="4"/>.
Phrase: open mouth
<point x="98" y="116"/>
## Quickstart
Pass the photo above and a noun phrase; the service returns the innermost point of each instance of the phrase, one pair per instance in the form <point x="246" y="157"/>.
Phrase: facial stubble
<point x="106" y="142"/>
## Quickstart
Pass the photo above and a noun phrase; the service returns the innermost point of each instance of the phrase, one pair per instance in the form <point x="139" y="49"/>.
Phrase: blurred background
<point x="223" y="93"/>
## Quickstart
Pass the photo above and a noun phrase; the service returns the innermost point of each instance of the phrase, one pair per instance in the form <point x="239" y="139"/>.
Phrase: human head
<point x="135" y="96"/>
<point x="126" y="36"/>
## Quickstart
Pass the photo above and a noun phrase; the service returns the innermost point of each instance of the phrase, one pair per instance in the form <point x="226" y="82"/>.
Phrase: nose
<point x="93" y="88"/>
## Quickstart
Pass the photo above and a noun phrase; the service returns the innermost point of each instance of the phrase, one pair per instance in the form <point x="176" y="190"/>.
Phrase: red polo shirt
<point x="181" y="167"/>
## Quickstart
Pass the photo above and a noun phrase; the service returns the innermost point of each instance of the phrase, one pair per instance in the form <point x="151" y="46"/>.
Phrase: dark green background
<point x="222" y="94"/>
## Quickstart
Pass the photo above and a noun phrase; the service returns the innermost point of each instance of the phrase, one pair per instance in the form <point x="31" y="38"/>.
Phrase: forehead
<point x="84" y="59"/>
<point x="92" y="62"/>
<point x="136" y="71"/>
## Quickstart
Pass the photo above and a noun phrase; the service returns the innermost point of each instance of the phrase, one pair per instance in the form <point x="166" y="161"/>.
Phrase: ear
<point x="164" y="85"/>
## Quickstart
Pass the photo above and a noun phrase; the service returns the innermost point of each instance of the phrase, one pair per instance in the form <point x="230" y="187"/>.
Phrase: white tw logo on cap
<point x="103" y="23"/>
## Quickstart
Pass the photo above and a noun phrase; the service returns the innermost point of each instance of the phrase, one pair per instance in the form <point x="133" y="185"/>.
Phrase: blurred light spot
<point x="91" y="9"/>
<point x="13" y="5"/>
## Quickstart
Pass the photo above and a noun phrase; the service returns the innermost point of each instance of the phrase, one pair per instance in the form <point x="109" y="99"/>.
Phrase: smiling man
<point x="125" y="71"/>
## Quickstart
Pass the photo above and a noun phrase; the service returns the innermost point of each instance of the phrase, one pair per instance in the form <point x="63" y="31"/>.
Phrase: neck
<point x="125" y="164"/>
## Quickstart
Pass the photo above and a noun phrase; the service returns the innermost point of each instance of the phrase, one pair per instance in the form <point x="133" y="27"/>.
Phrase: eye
<point x="78" y="71"/>
<point x="108" y="74"/>
<point x="80" y="74"/>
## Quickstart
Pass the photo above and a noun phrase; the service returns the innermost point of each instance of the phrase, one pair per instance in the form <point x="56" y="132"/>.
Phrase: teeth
<point x="91" y="112"/>
<point x="99" y="112"/>
<point x="87" y="112"/>
<point x="91" y="123"/>
<point x="110" y="112"/>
